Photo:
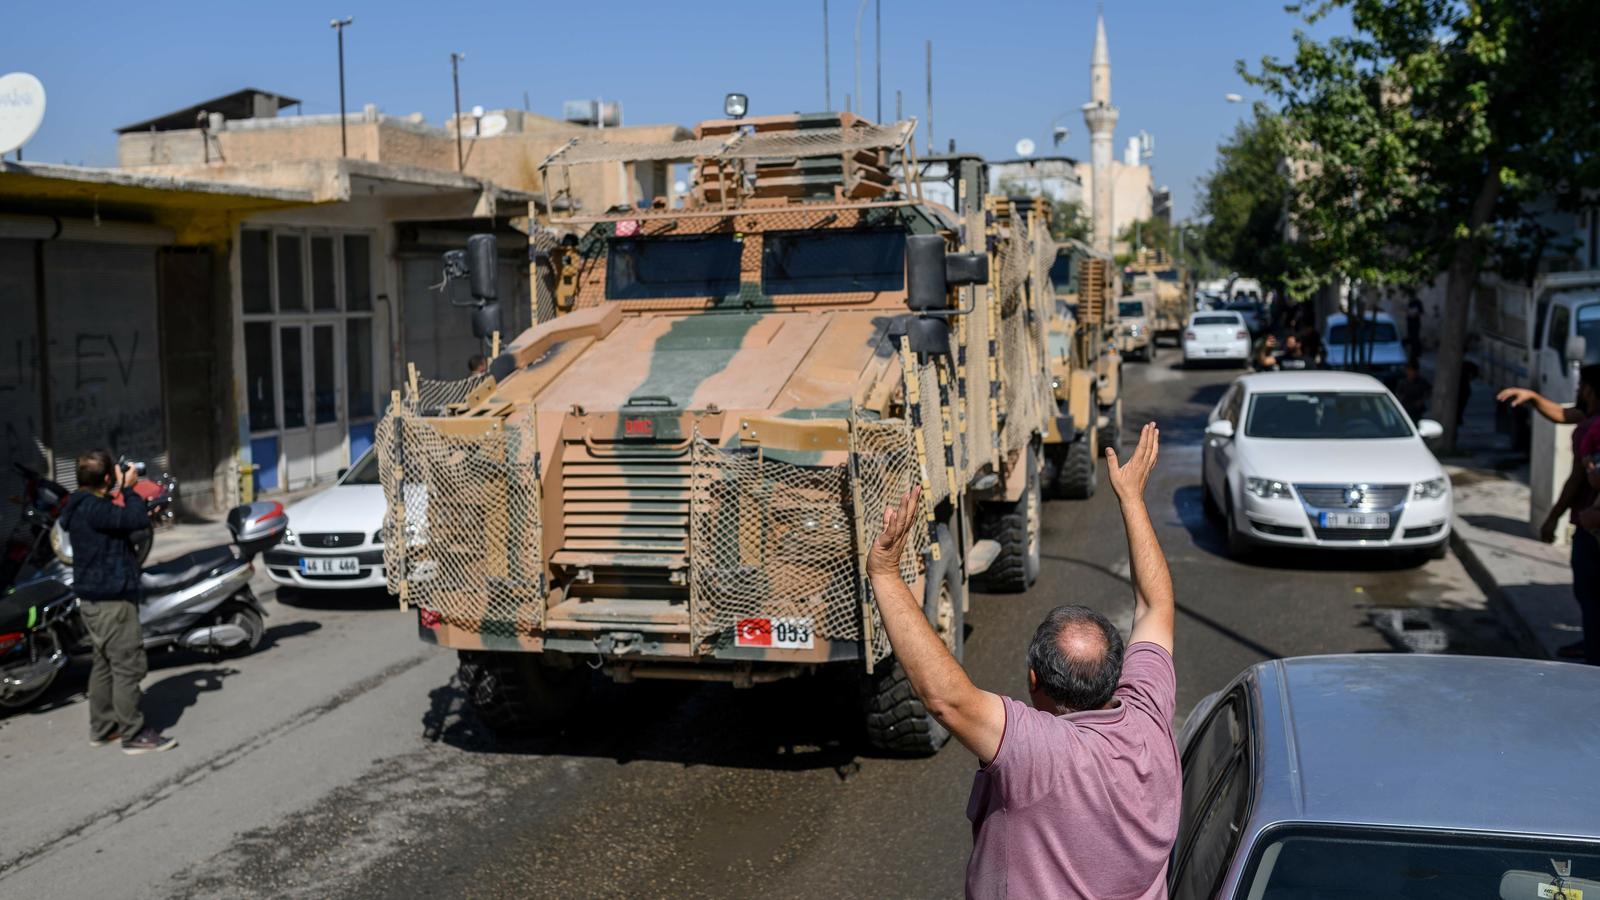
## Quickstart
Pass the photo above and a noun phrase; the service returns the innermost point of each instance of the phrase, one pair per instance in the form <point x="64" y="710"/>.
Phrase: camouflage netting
<point x="462" y="537"/>
<point x="432" y="395"/>
<point x="774" y="539"/>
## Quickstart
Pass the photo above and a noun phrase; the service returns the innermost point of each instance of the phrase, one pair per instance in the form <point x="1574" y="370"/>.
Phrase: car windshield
<point x="1372" y="863"/>
<point x="1063" y="274"/>
<point x="700" y="265"/>
<point x="832" y="262"/>
<point x="1130" y="309"/>
<point x="1377" y="332"/>
<point x="1325" y="415"/>
<point x="1167" y="274"/>
<point x="1216" y="320"/>
<point x="365" y="471"/>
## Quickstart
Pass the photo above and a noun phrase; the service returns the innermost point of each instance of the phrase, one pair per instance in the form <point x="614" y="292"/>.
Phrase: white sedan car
<point x="335" y="537"/>
<point x="1322" y="459"/>
<point x="1216" y="335"/>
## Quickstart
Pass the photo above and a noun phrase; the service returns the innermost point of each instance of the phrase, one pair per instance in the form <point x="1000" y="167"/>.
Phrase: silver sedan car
<point x="1393" y="776"/>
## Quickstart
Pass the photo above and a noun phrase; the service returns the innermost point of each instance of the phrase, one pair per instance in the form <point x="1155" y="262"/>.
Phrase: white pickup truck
<point x="1538" y="335"/>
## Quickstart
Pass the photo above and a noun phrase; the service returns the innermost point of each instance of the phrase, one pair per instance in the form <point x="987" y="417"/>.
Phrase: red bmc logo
<point x="638" y="428"/>
<point x="753" y="633"/>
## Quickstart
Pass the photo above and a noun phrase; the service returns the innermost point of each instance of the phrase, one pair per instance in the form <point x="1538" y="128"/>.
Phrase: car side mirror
<point x="1576" y="349"/>
<point x="1428" y="429"/>
<point x="1221" y="428"/>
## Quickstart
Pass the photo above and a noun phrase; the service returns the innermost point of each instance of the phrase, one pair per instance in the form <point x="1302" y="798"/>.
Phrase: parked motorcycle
<point x="29" y="545"/>
<point x="39" y="627"/>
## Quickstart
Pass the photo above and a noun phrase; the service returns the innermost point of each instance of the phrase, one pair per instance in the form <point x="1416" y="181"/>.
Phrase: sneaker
<point x="147" y="741"/>
<point x="101" y="742"/>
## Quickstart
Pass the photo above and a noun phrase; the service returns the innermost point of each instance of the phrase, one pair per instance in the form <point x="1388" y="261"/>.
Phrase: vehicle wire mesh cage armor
<point x="462" y="536"/>
<point x="771" y="539"/>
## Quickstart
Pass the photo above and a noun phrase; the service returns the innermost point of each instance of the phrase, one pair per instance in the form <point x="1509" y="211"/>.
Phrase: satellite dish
<point x="1025" y="148"/>
<point x="679" y="187"/>
<point x="492" y="124"/>
<point x="21" y="109"/>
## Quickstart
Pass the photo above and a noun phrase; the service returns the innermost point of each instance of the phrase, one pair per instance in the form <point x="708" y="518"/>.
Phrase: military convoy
<point x="1164" y="287"/>
<point x="676" y="473"/>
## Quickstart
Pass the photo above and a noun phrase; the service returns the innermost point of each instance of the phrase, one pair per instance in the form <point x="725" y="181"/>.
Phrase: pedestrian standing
<point x="1413" y="391"/>
<point x="105" y="575"/>
<point x="1577" y="500"/>
<point x="1079" y="790"/>
<point x="1414" y="329"/>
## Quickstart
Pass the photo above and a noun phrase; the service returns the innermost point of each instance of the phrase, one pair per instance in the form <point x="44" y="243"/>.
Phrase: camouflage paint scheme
<point x="1085" y="363"/>
<point x="784" y="373"/>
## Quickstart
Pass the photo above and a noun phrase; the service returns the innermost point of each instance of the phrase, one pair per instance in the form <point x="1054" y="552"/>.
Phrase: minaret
<point x="1101" y="117"/>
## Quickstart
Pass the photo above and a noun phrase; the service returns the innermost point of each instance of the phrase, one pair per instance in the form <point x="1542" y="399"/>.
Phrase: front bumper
<point x="283" y="566"/>
<point x="1291" y="522"/>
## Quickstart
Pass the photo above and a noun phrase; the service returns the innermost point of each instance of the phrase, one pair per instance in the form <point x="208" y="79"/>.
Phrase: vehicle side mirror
<point x="1221" y="428"/>
<point x="927" y="285"/>
<point x="485" y="320"/>
<point x="1428" y="429"/>
<point x="1576" y="349"/>
<point x="483" y="267"/>
<point x="929" y="336"/>
<point x="961" y="269"/>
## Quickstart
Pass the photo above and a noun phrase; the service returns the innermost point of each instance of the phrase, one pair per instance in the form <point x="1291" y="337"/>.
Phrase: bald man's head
<point x="1075" y="660"/>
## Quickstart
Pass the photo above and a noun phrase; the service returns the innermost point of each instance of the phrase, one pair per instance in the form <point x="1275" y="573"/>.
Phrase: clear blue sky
<point x="1003" y="69"/>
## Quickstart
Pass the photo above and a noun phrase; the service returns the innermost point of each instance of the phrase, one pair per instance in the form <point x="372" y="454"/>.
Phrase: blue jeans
<point x="1586" y="588"/>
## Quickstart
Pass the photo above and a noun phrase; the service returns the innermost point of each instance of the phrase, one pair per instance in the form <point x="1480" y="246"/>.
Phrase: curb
<point x="1505" y="610"/>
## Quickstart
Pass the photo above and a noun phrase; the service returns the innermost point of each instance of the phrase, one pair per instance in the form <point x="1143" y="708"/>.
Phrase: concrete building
<point x="1055" y="177"/>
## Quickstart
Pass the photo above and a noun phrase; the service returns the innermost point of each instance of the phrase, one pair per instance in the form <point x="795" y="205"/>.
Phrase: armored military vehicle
<point x="1085" y="367"/>
<point x="1165" y="287"/>
<point x="676" y="473"/>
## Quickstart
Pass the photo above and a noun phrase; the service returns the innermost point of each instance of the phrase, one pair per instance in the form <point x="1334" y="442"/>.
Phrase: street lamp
<point x="339" y="26"/>
<point x="455" y="81"/>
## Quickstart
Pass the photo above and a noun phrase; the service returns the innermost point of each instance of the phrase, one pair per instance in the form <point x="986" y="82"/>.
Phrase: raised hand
<point x="884" y="557"/>
<point x="1128" y="479"/>
<point x="1515" y="396"/>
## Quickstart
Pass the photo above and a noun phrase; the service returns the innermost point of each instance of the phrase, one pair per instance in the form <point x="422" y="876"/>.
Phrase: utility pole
<point x="827" y="66"/>
<point x="860" y="11"/>
<point x="339" y="26"/>
<point x="929" y="50"/>
<point x="877" y="52"/>
<point x="897" y="114"/>
<point x="455" y="81"/>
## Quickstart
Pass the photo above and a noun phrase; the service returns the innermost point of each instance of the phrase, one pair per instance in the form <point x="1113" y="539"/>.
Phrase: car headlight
<point x="288" y="536"/>
<point x="1055" y="384"/>
<point x="1432" y="489"/>
<point x="1268" y="489"/>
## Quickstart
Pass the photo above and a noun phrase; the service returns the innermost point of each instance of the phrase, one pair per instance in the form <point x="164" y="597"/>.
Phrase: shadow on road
<point x="799" y="724"/>
<point x="343" y="601"/>
<point x="1503" y="524"/>
<point x="171" y="658"/>
<point x="166" y="700"/>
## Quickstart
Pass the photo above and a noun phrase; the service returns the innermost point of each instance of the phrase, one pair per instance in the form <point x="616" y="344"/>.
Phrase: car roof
<point x="1426" y="741"/>
<point x="1310" y="380"/>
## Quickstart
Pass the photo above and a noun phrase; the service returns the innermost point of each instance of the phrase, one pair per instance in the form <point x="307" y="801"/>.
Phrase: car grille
<point x="1375" y="496"/>
<point x="1355" y="534"/>
<point x="634" y="499"/>
<point x="331" y="539"/>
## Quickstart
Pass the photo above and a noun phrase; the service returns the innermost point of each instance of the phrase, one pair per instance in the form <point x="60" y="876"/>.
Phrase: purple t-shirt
<point x="1083" y="804"/>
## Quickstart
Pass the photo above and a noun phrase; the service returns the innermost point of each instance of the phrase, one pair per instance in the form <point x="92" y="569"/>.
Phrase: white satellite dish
<point x="679" y="187"/>
<point x="1025" y="148"/>
<point x="21" y="109"/>
<point x="492" y="124"/>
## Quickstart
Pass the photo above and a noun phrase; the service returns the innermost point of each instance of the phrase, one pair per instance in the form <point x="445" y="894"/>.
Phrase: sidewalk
<point x="1528" y="581"/>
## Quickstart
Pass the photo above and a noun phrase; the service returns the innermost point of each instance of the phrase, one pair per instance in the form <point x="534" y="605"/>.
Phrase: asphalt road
<point x="339" y="761"/>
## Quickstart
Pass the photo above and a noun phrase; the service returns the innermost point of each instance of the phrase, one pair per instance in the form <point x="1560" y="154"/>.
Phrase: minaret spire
<point x="1101" y="117"/>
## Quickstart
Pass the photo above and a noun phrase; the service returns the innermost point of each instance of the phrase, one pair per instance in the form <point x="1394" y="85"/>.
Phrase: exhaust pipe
<point x="25" y="679"/>
<point x="214" y="637"/>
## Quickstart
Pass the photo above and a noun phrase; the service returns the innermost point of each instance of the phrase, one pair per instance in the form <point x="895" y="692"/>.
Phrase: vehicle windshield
<point x="1167" y="274"/>
<point x="700" y="265"/>
<point x="1373" y="863"/>
<point x="1130" y="309"/>
<point x="365" y="471"/>
<point x="1376" y="332"/>
<point x="1588" y="328"/>
<point x="1325" y="415"/>
<point x="1216" y="320"/>
<point x="1063" y="274"/>
<point x="832" y="262"/>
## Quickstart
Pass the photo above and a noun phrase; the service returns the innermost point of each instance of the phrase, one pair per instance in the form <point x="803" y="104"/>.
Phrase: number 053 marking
<point x="781" y="633"/>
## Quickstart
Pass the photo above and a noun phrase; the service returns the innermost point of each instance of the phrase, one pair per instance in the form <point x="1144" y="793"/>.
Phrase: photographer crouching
<point x="105" y="574"/>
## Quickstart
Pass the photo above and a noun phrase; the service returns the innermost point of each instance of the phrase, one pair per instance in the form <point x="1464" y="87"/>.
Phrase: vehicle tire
<point x="1208" y="503"/>
<point x="1239" y="546"/>
<point x="1017" y="527"/>
<point x="895" y="718"/>
<point x="515" y="695"/>
<point x="1053" y="458"/>
<point x="1111" y="435"/>
<point x="242" y="614"/>
<point x="49" y="640"/>
<point x="1078" y="472"/>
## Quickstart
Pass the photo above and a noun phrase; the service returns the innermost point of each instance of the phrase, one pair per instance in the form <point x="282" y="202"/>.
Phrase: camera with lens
<point x="138" y="465"/>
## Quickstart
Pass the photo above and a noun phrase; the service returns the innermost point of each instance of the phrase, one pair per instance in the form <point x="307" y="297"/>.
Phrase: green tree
<point x="1433" y="139"/>
<point x="1244" y="201"/>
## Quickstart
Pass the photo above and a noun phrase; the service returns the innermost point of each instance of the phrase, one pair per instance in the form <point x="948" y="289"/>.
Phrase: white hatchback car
<point x="1216" y="335"/>
<point x="335" y="538"/>
<point x="1322" y="459"/>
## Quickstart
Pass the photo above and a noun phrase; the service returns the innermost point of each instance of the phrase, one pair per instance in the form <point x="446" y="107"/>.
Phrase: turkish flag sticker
<point x="753" y="633"/>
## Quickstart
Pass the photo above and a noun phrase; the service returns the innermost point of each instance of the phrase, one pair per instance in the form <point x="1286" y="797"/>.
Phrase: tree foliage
<point x="1436" y="137"/>
<point x="1243" y="199"/>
